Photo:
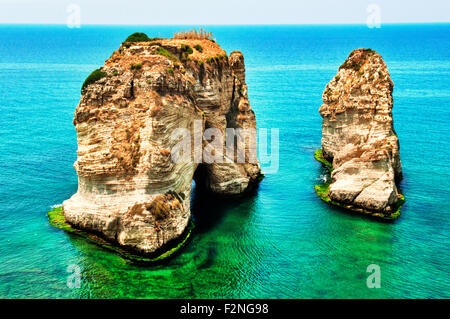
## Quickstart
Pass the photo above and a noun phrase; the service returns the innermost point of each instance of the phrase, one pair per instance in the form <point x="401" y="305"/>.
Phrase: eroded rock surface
<point x="358" y="136"/>
<point x="129" y="189"/>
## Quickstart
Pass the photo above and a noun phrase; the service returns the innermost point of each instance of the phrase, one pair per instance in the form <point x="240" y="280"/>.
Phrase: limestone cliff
<point x="358" y="136"/>
<point x="130" y="190"/>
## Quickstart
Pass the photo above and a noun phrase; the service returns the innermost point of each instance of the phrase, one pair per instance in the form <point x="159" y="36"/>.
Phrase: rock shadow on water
<point x="209" y="210"/>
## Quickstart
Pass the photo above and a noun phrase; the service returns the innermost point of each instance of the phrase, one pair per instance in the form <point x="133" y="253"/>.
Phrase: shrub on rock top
<point x="93" y="77"/>
<point x="138" y="37"/>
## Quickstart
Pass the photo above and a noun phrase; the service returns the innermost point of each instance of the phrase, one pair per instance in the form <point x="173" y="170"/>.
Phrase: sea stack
<point x="359" y="142"/>
<point x="131" y="192"/>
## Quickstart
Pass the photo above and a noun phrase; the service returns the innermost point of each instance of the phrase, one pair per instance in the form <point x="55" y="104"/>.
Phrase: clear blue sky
<point x="204" y="12"/>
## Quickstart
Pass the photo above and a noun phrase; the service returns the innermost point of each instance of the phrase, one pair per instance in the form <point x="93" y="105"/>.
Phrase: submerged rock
<point x="130" y="189"/>
<point x="358" y="136"/>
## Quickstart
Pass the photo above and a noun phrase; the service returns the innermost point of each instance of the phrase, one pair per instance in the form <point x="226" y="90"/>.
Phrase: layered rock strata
<point x="358" y="137"/>
<point x="130" y="189"/>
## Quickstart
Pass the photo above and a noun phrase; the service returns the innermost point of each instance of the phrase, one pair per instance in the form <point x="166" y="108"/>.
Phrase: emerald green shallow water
<point x="280" y="242"/>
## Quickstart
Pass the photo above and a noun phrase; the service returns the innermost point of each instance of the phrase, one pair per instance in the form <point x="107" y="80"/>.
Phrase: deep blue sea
<point x="282" y="242"/>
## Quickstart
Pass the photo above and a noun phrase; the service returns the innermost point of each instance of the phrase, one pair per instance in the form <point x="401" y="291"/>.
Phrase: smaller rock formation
<point x="359" y="143"/>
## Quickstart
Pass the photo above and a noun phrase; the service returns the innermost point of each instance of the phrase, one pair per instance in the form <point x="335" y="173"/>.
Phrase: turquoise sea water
<point x="282" y="242"/>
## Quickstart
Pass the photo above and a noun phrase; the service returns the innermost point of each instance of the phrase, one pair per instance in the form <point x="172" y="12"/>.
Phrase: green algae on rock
<point x="318" y="155"/>
<point x="57" y="220"/>
<point x="322" y="192"/>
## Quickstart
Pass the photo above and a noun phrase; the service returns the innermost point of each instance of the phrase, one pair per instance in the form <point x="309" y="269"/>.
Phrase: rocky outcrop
<point x="130" y="189"/>
<point x="358" y="136"/>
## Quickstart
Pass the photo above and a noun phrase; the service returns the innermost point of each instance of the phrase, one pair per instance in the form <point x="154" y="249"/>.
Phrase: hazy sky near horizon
<point x="204" y="12"/>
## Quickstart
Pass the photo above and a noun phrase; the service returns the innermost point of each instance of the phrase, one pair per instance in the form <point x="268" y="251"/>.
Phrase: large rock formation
<point x="130" y="190"/>
<point x="358" y="136"/>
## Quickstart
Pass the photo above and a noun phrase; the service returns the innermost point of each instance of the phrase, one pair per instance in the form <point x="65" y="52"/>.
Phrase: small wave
<point x="56" y="206"/>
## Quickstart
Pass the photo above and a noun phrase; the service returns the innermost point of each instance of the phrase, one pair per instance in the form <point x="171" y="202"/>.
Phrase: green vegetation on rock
<point x="400" y="203"/>
<point x="57" y="220"/>
<point x="136" y="66"/>
<point x="217" y="58"/>
<point x="138" y="37"/>
<point x="164" y="52"/>
<point x="187" y="49"/>
<point x="93" y="77"/>
<point x="356" y="64"/>
<point x="318" y="155"/>
<point x="198" y="47"/>
<point x="323" y="189"/>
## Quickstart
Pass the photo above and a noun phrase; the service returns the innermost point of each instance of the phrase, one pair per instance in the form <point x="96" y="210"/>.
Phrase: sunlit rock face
<point x="130" y="190"/>
<point x="358" y="136"/>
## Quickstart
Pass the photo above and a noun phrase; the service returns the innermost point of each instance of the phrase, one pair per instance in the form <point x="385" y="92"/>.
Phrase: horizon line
<point x="231" y="24"/>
